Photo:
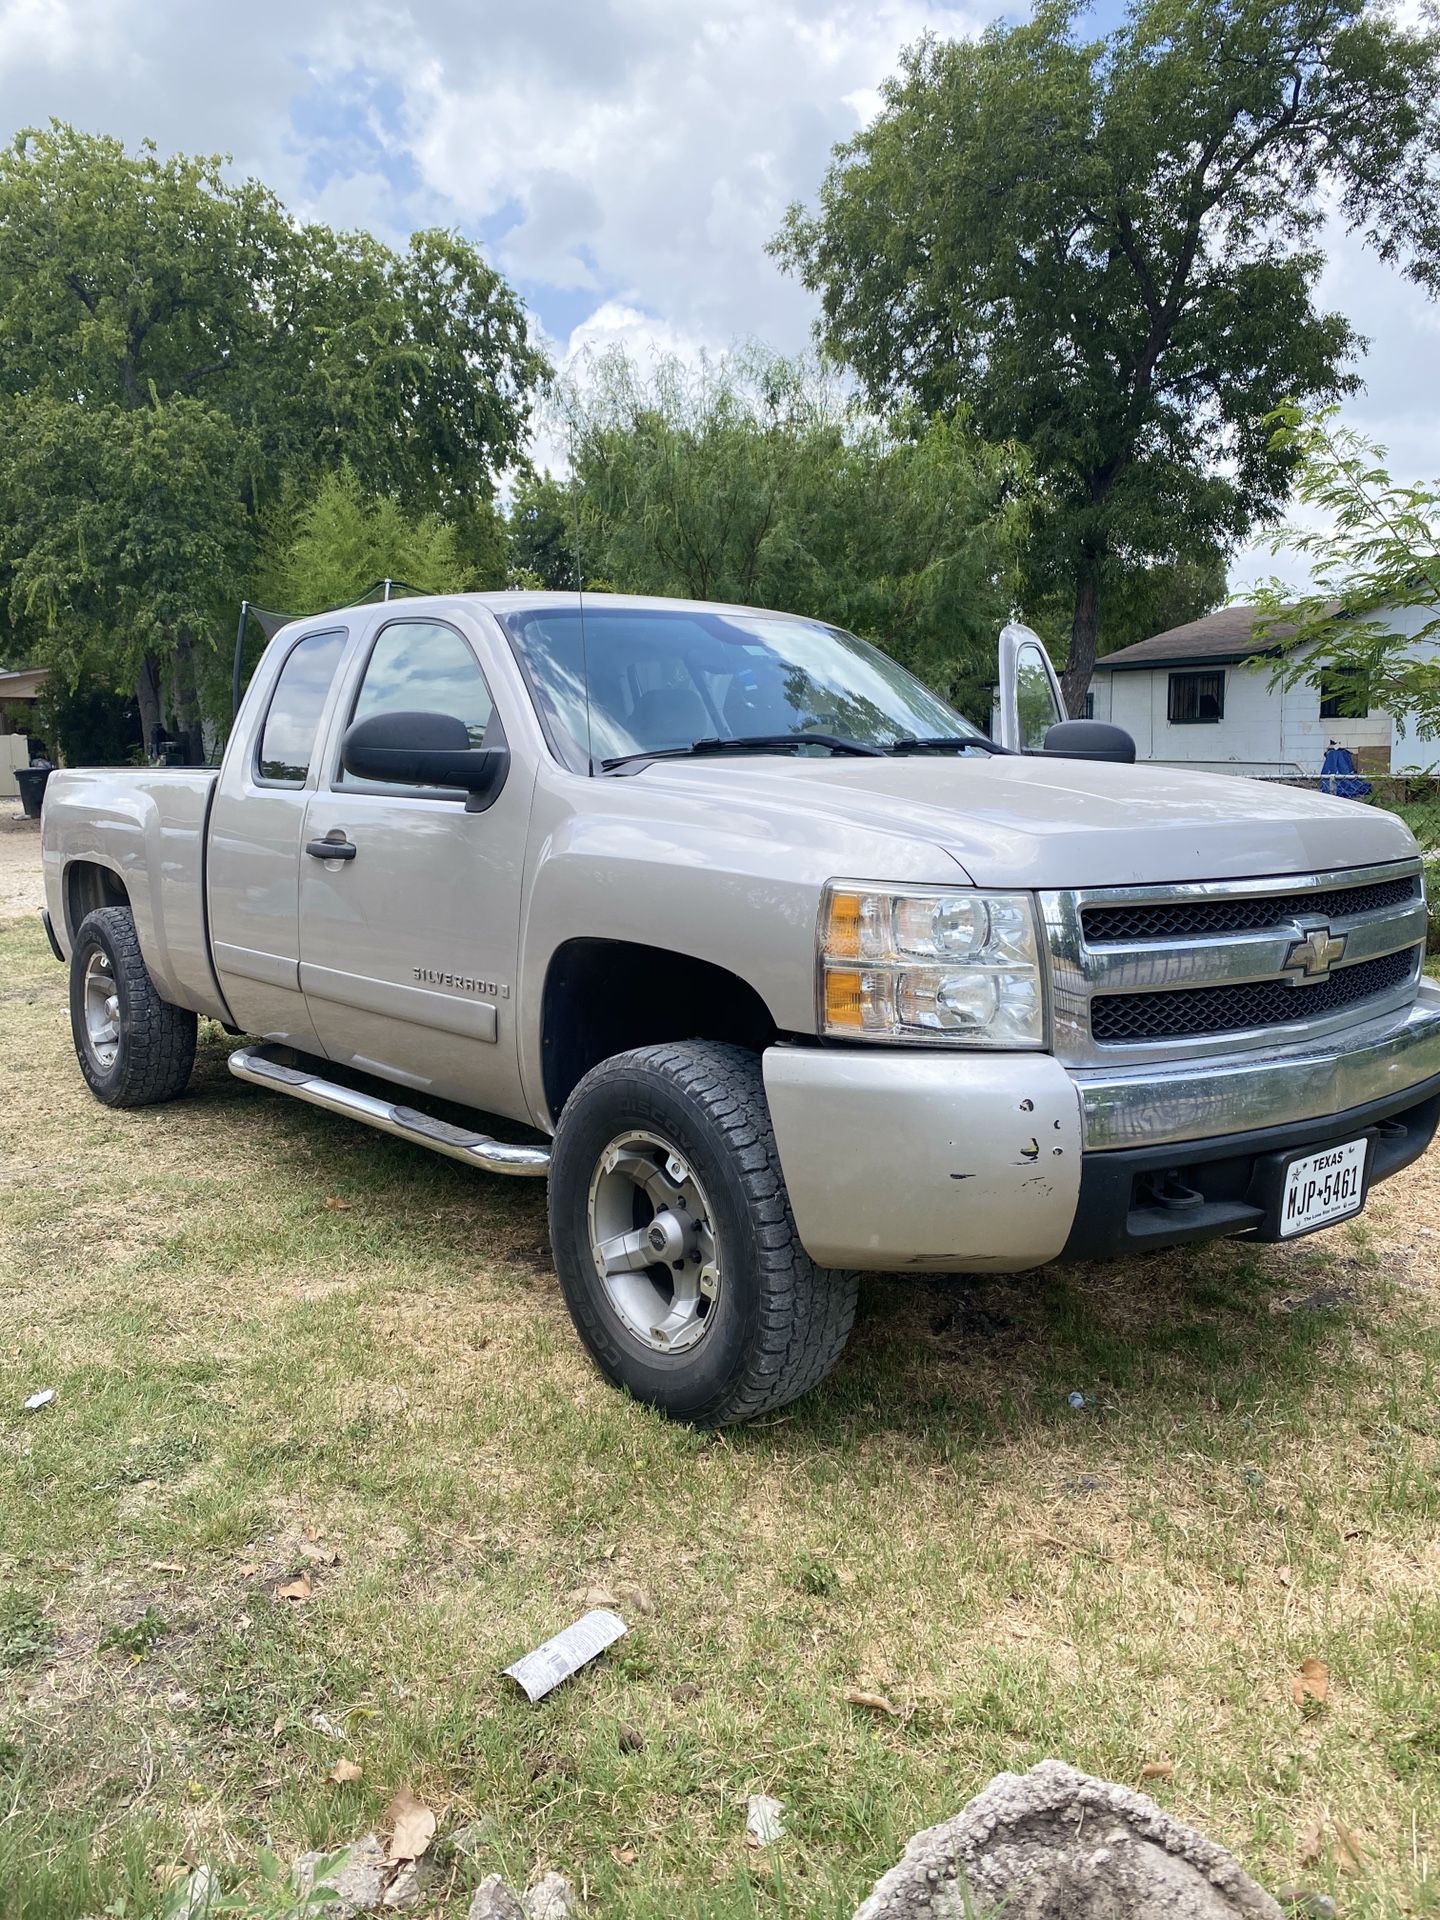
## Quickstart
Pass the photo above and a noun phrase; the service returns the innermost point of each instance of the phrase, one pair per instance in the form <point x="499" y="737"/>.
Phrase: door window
<point x="287" y="738"/>
<point x="419" y="666"/>
<point x="1035" y="703"/>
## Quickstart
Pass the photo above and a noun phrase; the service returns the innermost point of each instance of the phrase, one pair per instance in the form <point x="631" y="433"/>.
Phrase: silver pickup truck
<point x="783" y="969"/>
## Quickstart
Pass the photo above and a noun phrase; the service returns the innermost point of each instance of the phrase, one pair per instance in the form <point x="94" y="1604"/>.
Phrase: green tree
<point x="542" y="532"/>
<point x="1106" y="248"/>
<point x="329" y="549"/>
<point x="754" y="481"/>
<point x="176" y="352"/>
<point x="1375" y="549"/>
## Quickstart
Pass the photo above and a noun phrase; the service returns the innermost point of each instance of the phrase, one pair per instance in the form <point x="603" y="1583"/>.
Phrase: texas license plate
<point x="1323" y="1187"/>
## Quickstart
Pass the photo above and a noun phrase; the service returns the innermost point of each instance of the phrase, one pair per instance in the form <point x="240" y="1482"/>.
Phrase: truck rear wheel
<point x="134" y="1048"/>
<point x="675" y="1243"/>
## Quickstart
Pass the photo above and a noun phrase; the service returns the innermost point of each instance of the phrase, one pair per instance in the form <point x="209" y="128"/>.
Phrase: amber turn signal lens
<point x="843" y="1002"/>
<point x="842" y="929"/>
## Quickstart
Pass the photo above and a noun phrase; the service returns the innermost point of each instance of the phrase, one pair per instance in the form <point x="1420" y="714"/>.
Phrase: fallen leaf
<point x="1347" y="1850"/>
<point x="624" y="1856"/>
<point x="877" y="1702"/>
<point x="411" y="1824"/>
<point x="1310" y="1844"/>
<point x="300" y="1589"/>
<point x="319" y="1556"/>
<point x="335" y="1204"/>
<point x="248" y="1571"/>
<point x="166" y="1566"/>
<point x="282" y="1720"/>
<point x="1158" y="1770"/>
<point x="1312" y="1682"/>
<point x="344" y="1771"/>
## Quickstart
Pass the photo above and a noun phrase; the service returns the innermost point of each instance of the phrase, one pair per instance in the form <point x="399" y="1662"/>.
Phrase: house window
<point x="1344" y="693"/>
<point x="1196" y="699"/>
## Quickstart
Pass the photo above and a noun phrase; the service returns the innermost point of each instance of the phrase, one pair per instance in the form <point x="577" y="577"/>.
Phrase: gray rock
<point x="494" y="1901"/>
<point x="360" y="1880"/>
<point x="1053" y="1844"/>
<point x="552" y="1898"/>
<point x="470" y="1841"/>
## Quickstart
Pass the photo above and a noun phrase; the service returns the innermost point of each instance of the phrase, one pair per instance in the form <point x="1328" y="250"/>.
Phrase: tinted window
<point x="287" y="739"/>
<point x="418" y="666"/>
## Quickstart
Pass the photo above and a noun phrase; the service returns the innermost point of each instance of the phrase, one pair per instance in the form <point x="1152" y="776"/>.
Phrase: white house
<point x="1187" y="697"/>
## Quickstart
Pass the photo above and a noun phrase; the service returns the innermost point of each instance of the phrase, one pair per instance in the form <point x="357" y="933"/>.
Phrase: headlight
<point x="938" y="965"/>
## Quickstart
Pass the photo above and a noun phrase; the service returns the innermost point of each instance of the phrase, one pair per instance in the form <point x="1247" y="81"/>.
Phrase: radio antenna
<point x="580" y="591"/>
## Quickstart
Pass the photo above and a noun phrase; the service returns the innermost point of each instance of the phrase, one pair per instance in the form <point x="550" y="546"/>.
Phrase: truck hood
<point x="1012" y="821"/>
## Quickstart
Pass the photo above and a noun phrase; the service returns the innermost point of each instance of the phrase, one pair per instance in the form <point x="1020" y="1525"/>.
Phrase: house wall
<point x="1265" y="729"/>
<point x="14" y="752"/>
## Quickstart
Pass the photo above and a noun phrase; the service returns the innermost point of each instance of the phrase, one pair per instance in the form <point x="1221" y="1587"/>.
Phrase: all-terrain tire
<point x="153" y="1051"/>
<point x="779" y="1322"/>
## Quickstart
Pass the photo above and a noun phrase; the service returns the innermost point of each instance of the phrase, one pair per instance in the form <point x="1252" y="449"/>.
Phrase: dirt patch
<point x="22" y="890"/>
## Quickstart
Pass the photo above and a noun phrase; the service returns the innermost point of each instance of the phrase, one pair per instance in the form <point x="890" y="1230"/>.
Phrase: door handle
<point x="330" y="849"/>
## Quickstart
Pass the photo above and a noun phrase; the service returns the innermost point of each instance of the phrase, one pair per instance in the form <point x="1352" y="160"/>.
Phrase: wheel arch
<point x="602" y="997"/>
<point x="89" y="884"/>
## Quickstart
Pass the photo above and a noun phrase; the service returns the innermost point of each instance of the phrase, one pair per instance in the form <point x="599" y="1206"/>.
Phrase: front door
<point x="408" y="945"/>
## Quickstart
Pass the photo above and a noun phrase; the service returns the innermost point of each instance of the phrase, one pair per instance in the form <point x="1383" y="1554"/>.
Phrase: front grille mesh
<point x="1120" y="1018"/>
<point x="1244" y="913"/>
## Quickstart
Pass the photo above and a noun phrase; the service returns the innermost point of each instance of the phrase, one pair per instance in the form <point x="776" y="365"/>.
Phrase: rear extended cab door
<point x="253" y="852"/>
<point x="409" y="936"/>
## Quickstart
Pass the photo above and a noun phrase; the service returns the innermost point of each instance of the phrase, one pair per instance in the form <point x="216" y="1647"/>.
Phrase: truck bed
<point x="145" y="826"/>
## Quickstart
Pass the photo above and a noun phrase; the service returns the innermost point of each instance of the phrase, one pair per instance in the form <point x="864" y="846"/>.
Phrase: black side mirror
<point x="1090" y="740"/>
<point x="425" y="750"/>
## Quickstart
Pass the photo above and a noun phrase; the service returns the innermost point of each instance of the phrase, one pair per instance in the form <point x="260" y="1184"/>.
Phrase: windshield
<point x="663" y="678"/>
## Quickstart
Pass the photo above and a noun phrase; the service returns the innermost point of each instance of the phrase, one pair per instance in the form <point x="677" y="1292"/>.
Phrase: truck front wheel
<point x="674" y="1240"/>
<point x="134" y="1048"/>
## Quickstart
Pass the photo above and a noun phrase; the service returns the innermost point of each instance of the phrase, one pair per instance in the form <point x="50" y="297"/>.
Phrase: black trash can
<point x="31" y="782"/>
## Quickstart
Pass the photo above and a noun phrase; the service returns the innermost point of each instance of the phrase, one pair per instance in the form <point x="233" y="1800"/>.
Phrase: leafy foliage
<point x="1105" y="248"/>
<point x="754" y="481"/>
<point x="327" y="550"/>
<point x="1375" y="547"/>
<point x="180" y="355"/>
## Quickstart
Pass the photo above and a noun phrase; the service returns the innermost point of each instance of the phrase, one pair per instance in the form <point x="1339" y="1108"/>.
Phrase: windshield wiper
<point x="752" y="743"/>
<point x="944" y="743"/>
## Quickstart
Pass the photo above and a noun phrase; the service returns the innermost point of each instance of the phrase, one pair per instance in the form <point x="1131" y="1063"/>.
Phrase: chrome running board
<point x="259" y="1066"/>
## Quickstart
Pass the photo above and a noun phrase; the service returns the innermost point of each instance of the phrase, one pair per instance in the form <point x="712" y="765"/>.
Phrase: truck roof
<point x="522" y="600"/>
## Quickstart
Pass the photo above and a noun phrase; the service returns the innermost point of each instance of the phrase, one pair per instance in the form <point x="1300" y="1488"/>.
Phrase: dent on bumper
<point x="1196" y="1100"/>
<point x="926" y="1161"/>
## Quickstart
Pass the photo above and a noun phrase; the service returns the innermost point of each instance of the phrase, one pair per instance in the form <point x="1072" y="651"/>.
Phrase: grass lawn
<point x="283" y="1345"/>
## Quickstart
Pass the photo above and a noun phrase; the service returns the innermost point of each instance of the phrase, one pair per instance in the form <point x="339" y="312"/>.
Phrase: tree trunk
<point x="185" y="702"/>
<point x="1084" y="636"/>
<point x="147" y="698"/>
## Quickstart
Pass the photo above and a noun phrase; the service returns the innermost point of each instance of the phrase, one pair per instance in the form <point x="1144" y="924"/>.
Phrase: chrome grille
<point x="1118" y="1017"/>
<point x="1145" y="973"/>
<point x="1190" y="919"/>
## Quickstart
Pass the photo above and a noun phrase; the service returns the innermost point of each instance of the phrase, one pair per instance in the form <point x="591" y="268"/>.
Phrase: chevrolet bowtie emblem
<point x="1311" y="959"/>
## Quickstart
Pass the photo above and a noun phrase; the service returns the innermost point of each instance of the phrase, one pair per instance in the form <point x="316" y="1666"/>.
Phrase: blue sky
<point x="623" y="162"/>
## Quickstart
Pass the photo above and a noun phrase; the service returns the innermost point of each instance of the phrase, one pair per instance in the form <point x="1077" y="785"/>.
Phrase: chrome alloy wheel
<point x="102" y="1009"/>
<point x="653" y="1241"/>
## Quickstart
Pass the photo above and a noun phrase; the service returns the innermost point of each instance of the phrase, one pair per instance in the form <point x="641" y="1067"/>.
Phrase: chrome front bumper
<point x="1199" y="1099"/>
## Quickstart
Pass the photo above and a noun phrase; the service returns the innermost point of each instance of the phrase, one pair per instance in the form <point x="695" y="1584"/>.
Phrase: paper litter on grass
<point x="538" y="1673"/>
